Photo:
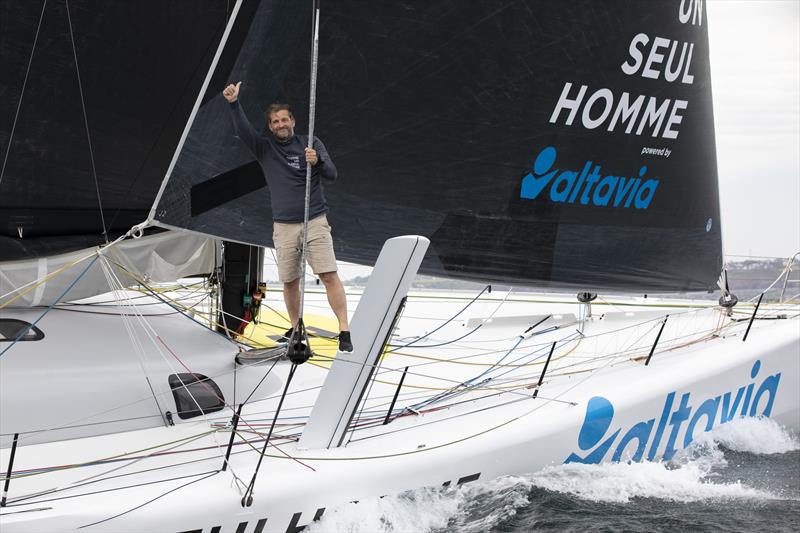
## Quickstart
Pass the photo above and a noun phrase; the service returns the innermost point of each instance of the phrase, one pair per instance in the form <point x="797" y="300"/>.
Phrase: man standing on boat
<point x="283" y="157"/>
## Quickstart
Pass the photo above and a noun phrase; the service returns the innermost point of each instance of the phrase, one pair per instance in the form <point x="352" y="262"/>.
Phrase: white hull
<point x="700" y="376"/>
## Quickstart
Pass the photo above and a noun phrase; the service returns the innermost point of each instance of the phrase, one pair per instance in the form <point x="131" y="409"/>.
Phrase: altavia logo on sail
<point x="595" y="439"/>
<point x="588" y="186"/>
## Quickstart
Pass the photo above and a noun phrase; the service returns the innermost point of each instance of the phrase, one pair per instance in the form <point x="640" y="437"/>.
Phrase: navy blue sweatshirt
<point x="284" y="165"/>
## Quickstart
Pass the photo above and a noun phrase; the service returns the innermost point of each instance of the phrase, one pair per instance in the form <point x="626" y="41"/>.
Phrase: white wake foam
<point x="692" y="475"/>
<point x="688" y="477"/>
<point x="419" y="510"/>
<point x="753" y="435"/>
<point x="431" y="509"/>
<point x="619" y="483"/>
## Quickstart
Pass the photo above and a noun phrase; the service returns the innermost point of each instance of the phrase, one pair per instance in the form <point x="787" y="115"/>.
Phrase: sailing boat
<point x="535" y="144"/>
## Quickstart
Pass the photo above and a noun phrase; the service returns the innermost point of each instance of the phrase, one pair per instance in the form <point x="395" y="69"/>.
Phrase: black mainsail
<point x="539" y="143"/>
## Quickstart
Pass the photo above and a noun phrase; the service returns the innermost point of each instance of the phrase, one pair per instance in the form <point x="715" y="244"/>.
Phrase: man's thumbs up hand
<point x="231" y="92"/>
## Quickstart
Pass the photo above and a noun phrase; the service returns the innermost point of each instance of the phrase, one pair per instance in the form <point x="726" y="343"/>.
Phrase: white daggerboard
<point x="349" y="376"/>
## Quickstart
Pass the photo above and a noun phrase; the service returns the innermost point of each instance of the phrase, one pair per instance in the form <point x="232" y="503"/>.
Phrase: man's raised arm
<point x="244" y="130"/>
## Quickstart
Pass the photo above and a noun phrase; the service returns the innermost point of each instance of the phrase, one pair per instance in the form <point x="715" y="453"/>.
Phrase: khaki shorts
<point x="288" y="239"/>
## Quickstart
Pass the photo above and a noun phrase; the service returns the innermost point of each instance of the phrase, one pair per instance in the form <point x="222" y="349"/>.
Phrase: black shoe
<point x="345" y="344"/>
<point x="286" y="336"/>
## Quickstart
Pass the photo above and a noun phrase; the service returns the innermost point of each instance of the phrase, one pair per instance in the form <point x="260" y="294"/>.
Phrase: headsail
<point x="534" y="143"/>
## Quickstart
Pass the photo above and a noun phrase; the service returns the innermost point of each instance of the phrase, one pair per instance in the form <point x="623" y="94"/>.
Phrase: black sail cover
<point x="534" y="142"/>
<point x="94" y="97"/>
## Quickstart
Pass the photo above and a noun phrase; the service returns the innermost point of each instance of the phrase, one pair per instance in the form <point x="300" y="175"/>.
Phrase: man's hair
<point x="274" y="108"/>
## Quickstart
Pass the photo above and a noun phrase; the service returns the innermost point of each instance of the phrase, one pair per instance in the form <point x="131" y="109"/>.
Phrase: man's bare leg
<point x="291" y="297"/>
<point x="336" y="297"/>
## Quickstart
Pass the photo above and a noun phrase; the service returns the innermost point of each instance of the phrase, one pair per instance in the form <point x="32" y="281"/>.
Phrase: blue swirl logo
<point x="587" y="186"/>
<point x="680" y="420"/>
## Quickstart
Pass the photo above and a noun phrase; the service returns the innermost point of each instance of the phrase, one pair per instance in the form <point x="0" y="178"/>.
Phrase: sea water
<point x="742" y="476"/>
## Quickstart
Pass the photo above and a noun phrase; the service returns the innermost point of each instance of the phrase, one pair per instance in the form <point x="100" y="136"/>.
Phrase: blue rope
<point x="544" y="349"/>
<point x="468" y="384"/>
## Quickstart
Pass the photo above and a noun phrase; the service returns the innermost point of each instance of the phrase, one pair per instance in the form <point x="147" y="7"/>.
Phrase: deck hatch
<point x="11" y="328"/>
<point x="195" y="395"/>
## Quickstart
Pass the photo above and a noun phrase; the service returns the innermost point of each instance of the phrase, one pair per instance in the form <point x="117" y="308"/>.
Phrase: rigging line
<point x="127" y="460"/>
<point x="312" y="104"/>
<point x="115" y="283"/>
<point x="456" y="383"/>
<point x="250" y="270"/>
<point x="531" y="357"/>
<point x="363" y="401"/>
<point x="213" y="473"/>
<point x="137" y="346"/>
<point x="51" y="306"/>
<point x="292" y="438"/>
<point x="104" y="476"/>
<point x="237" y="452"/>
<point x="653" y="322"/>
<point x="445" y="343"/>
<point x="35" y="283"/>
<point x="104" y="491"/>
<point x="245" y="422"/>
<point x="771" y="285"/>
<point x="468" y="437"/>
<point x="489" y="318"/>
<point x="19" y="501"/>
<point x="22" y="93"/>
<point x="36" y="432"/>
<point x="251" y="486"/>
<point x="447" y="321"/>
<point x="564" y="342"/>
<point x="75" y="422"/>
<point x="86" y="123"/>
<point x="126" y="456"/>
<point x="129" y="419"/>
<point x="261" y="381"/>
<point x="151" y="333"/>
<point x="180" y="308"/>
<point x="469" y="381"/>
<point x="66" y="308"/>
<point x="422" y="387"/>
<point x="169" y="301"/>
<point x="452" y="417"/>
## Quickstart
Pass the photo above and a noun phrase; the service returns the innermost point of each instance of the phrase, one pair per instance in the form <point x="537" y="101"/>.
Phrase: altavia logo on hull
<point x="687" y="418"/>
<point x="588" y="186"/>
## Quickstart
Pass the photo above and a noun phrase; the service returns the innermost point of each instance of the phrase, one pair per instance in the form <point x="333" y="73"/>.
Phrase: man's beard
<point x="283" y="134"/>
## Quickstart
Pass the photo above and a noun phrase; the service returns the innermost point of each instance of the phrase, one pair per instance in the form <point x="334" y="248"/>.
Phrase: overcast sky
<point x="755" y="75"/>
